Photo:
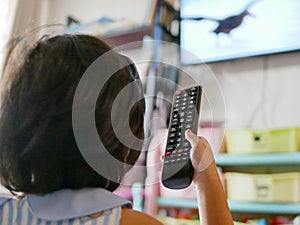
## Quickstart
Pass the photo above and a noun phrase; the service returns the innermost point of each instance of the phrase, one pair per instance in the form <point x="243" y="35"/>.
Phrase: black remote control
<point x="177" y="170"/>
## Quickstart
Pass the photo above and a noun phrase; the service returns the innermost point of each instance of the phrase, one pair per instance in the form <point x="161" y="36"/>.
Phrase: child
<point x="40" y="158"/>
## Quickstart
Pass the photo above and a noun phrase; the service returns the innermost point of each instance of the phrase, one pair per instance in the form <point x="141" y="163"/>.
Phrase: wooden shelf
<point x="247" y="207"/>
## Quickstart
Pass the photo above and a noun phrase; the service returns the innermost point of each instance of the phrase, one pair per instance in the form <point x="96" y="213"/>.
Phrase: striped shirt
<point x="64" y="207"/>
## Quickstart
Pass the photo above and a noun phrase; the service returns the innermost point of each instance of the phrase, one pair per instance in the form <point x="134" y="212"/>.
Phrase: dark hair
<point x="38" y="151"/>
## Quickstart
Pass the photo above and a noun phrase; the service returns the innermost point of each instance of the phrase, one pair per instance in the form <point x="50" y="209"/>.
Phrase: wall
<point x="28" y="15"/>
<point x="90" y="10"/>
<point x="261" y="91"/>
<point x="258" y="92"/>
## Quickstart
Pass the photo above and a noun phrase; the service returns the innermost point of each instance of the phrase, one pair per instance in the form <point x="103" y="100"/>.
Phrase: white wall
<point x="259" y="92"/>
<point x="90" y="10"/>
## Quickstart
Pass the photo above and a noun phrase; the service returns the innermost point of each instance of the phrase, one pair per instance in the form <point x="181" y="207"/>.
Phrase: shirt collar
<point x="67" y="203"/>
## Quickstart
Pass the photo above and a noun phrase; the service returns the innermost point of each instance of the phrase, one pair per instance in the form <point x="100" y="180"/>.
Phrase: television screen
<point x="216" y="30"/>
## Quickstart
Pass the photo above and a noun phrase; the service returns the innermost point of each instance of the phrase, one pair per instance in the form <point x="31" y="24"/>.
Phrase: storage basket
<point x="278" y="187"/>
<point x="246" y="141"/>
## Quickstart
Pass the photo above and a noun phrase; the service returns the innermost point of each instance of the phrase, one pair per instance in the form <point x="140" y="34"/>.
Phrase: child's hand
<point x="212" y="202"/>
<point x="201" y="154"/>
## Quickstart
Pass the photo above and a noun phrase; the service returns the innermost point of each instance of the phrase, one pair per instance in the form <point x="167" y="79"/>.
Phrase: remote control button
<point x="178" y="92"/>
<point x="193" y="92"/>
<point x="186" y="149"/>
<point x="172" y="141"/>
<point x="172" y="135"/>
<point x="180" y="151"/>
<point x="173" y="130"/>
<point x="184" y="158"/>
<point x="193" y="97"/>
<point x="191" y="107"/>
<point x="171" y="148"/>
<point x="189" y="113"/>
<point x="189" y="119"/>
<point x="186" y="144"/>
<point x="188" y="126"/>
<point x="168" y="153"/>
<point x="175" y="123"/>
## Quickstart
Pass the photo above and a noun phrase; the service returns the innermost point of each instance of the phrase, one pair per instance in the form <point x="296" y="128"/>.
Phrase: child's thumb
<point x="191" y="137"/>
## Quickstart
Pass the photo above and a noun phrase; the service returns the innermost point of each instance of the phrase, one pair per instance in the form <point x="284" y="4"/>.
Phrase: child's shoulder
<point x="133" y="217"/>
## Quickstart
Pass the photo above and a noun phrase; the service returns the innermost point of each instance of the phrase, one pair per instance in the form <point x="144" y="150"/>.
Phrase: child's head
<point x="38" y="151"/>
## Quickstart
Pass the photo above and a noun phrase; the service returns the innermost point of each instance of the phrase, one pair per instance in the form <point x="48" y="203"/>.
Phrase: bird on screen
<point x="229" y="23"/>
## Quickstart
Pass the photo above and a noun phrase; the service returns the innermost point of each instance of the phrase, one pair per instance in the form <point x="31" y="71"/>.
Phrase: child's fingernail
<point x="189" y="131"/>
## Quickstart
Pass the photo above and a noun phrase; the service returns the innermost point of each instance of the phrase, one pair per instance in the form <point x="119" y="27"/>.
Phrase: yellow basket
<point x="278" y="187"/>
<point x="245" y="141"/>
<point x="176" y="221"/>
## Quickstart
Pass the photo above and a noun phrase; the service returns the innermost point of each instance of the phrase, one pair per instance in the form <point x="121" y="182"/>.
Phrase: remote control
<point x="177" y="169"/>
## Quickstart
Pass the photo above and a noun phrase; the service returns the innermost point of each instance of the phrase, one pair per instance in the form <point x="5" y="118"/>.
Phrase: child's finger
<point x="191" y="137"/>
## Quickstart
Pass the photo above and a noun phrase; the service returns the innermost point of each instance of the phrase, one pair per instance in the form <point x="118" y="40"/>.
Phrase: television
<point x="218" y="30"/>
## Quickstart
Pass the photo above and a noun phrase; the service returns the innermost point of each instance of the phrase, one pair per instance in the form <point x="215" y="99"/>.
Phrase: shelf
<point x="270" y="208"/>
<point x="278" y="159"/>
<point x="248" y="207"/>
<point x="177" y="202"/>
